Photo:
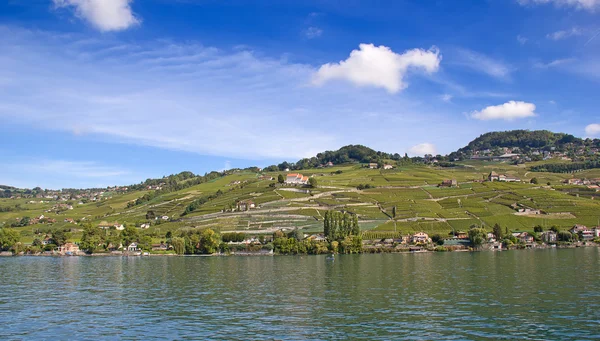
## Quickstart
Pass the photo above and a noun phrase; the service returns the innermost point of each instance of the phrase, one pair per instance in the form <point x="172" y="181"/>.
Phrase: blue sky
<point x="103" y="92"/>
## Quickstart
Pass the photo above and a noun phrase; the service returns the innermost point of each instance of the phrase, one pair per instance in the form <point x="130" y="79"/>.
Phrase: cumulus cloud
<point x="105" y="15"/>
<point x="589" y="5"/>
<point x="379" y="66"/>
<point x="508" y="111"/>
<point x="592" y="129"/>
<point x="564" y="34"/>
<point x="422" y="149"/>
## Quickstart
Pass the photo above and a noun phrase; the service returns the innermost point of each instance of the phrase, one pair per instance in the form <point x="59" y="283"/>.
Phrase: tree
<point x="8" y="238"/>
<point x="60" y="237"/>
<point x="150" y="215"/>
<point x="280" y="178"/>
<point x="91" y="238"/>
<point x="497" y="231"/>
<point x="209" y="241"/>
<point x="129" y="235"/>
<point x="178" y="245"/>
<point x="312" y="181"/>
<point x="394" y="212"/>
<point x="534" y="181"/>
<point x="538" y="229"/>
<point x="564" y="236"/>
<point x="477" y="236"/>
<point x="437" y="239"/>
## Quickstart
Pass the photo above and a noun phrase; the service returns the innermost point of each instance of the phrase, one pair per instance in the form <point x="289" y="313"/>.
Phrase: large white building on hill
<point x="296" y="179"/>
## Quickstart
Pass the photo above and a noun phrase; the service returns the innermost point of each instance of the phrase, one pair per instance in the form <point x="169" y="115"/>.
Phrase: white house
<point x="133" y="247"/>
<point x="296" y="179"/>
<point x="145" y="226"/>
<point x="164" y="217"/>
<point x="388" y="166"/>
<point x="119" y="227"/>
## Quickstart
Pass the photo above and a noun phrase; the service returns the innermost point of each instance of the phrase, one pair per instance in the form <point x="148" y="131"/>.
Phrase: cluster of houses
<point x="590" y="183"/>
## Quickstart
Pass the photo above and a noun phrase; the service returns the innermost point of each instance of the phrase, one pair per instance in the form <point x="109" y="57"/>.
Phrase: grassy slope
<point x="420" y="205"/>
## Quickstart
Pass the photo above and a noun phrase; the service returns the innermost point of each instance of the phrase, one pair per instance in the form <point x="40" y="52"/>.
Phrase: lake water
<point x="527" y="295"/>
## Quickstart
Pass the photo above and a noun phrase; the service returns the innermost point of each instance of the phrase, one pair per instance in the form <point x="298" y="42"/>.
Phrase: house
<point x="160" y="247"/>
<point x="119" y="227"/>
<point x="584" y="231"/>
<point x="245" y="205"/>
<point x="549" y="237"/>
<point x="70" y="220"/>
<point x="329" y="164"/>
<point x="296" y="179"/>
<point x="133" y="247"/>
<point x="493" y="176"/>
<point x="420" y="237"/>
<point x="68" y="249"/>
<point x="47" y="241"/>
<point x="145" y="226"/>
<point x="491" y="238"/>
<point x="266" y="177"/>
<point x="165" y="217"/>
<point x="317" y="238"/>
<point x="449" y="183"/>
<point x="461" y="235"/>
<point x="523" y="237"/>
<point x="388" y="167"/>
<point x="373" y="166"/>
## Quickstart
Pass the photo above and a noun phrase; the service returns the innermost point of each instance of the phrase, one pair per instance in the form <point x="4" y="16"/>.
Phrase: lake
<point x="527" y="295"/>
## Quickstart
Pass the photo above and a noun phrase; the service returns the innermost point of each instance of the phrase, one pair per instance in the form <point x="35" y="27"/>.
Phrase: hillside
<point x="412" y="189"/>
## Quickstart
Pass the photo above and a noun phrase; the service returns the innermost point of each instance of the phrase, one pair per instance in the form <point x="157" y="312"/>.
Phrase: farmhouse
<point x="388" y="167"/>
<point x="245" y="205"/>
<point x="493" y="176"/>
<point x="373" y="166"/>
<point x="449" y="183"/>
<point x="296" y="179"/>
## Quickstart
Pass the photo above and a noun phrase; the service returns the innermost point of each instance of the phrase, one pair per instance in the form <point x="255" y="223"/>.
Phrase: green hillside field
<point x="413" y="190"/>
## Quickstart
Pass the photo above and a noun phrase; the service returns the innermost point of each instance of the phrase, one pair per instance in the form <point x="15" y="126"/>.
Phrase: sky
<point x="112" y="92"/>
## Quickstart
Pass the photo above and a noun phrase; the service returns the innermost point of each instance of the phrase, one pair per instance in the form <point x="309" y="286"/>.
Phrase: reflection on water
<point x="529" y="295"/>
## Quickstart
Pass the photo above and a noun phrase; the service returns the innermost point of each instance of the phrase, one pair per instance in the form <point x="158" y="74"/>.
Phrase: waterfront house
<point x="133" y="247"/>
<point x="317" y="238"/>
<point x="160" y="247"/>
<point x="549" y="237"/>
<point x="490" y="237"/>
<point x="420" y="237"/>
<point x="523" y="237"/>
<point x="68" y="249"/>
<point x="583" y="231"/>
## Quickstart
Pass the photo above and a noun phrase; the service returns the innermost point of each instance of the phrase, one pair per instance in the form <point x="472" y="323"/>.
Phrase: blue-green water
<point x="527" y="295"/>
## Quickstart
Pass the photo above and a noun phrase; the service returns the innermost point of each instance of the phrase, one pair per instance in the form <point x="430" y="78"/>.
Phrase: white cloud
<point x="522" y="40"/>
<point x="508" y="111"/>
<point x="484" y="64"/>
<point x="313" y="32"/>
<point x="592" y="130"/>
<point x="378" y="66"/>
<point x="422" y="149"/>
<point x="105" y="15"/>
<point x="553" y="63"/>
<point x="552" y="102"/>
<point x="564" y="34"/>
<point x="446" y="97"/>
<point x="589" y="5"/>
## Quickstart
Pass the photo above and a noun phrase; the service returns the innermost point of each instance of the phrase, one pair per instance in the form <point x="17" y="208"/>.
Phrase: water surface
<point x="527" y="295"/>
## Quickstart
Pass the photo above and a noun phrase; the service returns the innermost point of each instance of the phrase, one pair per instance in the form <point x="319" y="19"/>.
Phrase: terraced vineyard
<point x="420" y="205"/>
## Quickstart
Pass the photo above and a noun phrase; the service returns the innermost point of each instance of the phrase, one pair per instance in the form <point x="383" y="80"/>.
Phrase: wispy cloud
<point x="553" y="63"/>
<point x="189" y="97"/>
<point x="564" y="34"/>
<point x="483" y="64"/>
<point x="313" y="32"/>
<point x="522" y="40"/>
<point x="588" y="5"/>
